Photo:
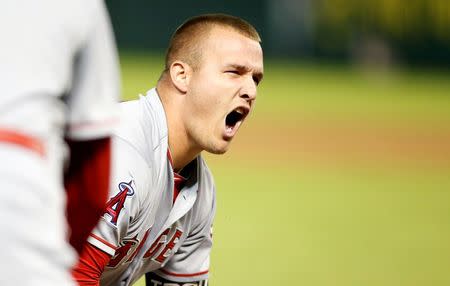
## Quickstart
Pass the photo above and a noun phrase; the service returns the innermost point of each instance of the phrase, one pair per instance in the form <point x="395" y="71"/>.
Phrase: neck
<point x="181" y="149"/>
<point x="180" y="156"/>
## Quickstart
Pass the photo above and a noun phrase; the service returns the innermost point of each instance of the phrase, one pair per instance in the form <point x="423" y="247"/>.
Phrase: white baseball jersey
<point x="50" y="49"/>
<point x="59" y="76"/>
<point x="142" y="228"/>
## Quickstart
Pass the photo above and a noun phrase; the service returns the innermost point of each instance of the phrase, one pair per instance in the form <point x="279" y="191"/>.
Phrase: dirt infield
<point x="344" y="142"/>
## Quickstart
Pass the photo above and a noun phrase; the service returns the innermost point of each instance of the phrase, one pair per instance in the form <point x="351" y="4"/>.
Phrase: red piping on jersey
<point x="26" y="141"/>
<point x="170" y="157"/>
<point x="184" y="275"/>
<point x="178" y="179"/>
<point x="103" y="241"/>
<point x="178" y="182"/>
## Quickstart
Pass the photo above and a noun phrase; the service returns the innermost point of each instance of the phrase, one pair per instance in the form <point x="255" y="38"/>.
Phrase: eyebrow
<point x="258" y="75"/>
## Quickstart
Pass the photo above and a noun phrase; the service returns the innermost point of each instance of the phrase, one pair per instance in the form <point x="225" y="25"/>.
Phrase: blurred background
<point x="341" y="176"/>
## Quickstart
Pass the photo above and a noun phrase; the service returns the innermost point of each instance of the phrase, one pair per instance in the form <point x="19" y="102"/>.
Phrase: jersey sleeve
<point x="92" y="99"/>
<point x="192" y="259"/>
<point x="90" y="266"/>
<point x="130" y="178"/>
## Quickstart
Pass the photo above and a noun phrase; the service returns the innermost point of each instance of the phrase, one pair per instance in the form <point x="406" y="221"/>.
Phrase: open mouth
<point x="234" y="119"/>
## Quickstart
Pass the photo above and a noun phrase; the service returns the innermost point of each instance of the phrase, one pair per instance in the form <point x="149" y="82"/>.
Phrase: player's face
<point x="222" y="89"/>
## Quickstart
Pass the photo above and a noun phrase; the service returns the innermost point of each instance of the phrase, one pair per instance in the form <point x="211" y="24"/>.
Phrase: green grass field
<point x="341" y="177"/>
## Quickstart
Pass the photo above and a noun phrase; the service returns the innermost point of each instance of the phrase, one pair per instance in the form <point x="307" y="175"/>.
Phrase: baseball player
<point x="58" y="79"/>
<point x="158" y="219"/>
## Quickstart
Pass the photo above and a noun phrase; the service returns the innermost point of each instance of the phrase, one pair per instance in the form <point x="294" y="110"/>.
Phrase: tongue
<point x="229" y="130"/>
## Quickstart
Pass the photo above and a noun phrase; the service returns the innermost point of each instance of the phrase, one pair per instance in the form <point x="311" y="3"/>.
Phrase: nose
<point x="249" y="90"/>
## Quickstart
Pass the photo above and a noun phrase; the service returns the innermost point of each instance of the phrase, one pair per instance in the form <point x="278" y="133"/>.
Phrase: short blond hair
<point x="185" y="44"/>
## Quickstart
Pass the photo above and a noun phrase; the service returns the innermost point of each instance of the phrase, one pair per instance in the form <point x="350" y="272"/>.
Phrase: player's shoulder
<point x="143" y="127"/>
<point x="132" y="178"/>
<point x="129" y="157"/>
<point x="128" y="135"/>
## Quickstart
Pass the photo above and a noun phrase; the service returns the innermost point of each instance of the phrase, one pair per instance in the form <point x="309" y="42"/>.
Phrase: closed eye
<point x="233" y="72"/>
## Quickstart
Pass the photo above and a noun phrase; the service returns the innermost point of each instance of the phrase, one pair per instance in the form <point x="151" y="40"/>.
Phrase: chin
<point x="218" y="149"/>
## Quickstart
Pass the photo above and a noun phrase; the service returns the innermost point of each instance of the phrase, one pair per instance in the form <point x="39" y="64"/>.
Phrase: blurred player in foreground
<point x="158" y="219"/>
<point x="58" y="80"/>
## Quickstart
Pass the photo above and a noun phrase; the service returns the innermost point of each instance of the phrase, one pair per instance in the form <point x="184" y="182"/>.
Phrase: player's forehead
<point x="232" y="48"/>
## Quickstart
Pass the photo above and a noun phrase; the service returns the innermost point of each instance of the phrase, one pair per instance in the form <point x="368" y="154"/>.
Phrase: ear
<point x="180" y="73"/>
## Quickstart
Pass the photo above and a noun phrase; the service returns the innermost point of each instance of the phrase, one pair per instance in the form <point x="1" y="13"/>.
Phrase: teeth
<point x="239" y="110"/>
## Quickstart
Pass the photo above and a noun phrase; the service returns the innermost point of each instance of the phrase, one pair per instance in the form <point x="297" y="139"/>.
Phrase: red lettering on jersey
<point x="159" y="242"/>
<point x="115" y="204"/>
<point x="140" y="246"/>
<point x="167" y="250"/>
<point x="122" y="252"/>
